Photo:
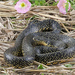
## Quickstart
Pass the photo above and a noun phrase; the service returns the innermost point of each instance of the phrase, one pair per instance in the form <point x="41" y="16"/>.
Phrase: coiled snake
<point x="40" y="41"/>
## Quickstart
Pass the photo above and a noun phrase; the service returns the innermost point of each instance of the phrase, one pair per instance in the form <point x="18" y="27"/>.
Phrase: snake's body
<point x="27" y="49"/>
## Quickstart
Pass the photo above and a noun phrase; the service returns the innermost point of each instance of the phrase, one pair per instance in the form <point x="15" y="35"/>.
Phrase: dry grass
<point x="10" y="27"/>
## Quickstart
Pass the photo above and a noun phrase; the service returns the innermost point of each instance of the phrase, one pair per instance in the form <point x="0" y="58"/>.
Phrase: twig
<point x="70" y="28"/>
<point x="43" y="7"/>
<point x="66" y="68"/>
<point x="37" y="63"/>
<point x="46" y="15"/>
<point x="70" y="22"/>
<point x="6" y="8"/>
<point x="6" y="14"/>
<point x="65" y="27"/>
<point x="61" y="61"/>
<point x="15" y="29"/>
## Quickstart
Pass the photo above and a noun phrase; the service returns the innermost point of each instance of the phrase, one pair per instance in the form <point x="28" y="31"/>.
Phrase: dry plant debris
<point x="12" y="23"/>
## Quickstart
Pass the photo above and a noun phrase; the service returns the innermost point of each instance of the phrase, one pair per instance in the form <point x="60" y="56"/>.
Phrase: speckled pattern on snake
<point x="40" y="41"/>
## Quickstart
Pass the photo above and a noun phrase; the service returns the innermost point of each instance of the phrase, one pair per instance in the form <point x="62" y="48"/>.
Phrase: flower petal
<point x="21" y="9"/>
<point x="61" y="2"/>
<point x="61" y="6"/>
<point x="62" y="10"/>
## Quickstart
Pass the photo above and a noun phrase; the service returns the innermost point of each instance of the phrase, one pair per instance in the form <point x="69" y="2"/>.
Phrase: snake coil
<point x="45" y="33"/>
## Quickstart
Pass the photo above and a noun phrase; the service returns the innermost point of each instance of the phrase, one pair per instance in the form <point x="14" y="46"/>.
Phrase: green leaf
<point x="41" y="67"/>
<point x="13" y="22"/>
<point x="66" y="6"/>
<point x="67" y="0"/>
<point x="73" y="6"/>
<point x="37" y="2"/>
<point x="42" y="74"/>
<point x="15" y="1"/>
<point x="72" y="2"/>
<point x="68" y="65"/>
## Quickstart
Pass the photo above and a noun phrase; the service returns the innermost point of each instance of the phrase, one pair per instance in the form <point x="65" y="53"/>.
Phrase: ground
<point x="12" y="23"/>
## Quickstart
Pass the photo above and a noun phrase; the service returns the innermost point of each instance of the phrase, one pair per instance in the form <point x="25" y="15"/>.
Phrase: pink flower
<point x="23" y="6"/>
<point x="61" y="6"/>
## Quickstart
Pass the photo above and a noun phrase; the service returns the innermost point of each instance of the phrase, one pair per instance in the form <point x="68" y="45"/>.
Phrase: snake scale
<point x="40" y="41"/>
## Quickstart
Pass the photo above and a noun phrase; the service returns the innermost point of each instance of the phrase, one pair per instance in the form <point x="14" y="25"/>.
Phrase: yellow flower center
<point x="23" y="5"/>
<point x="64" y="5"/>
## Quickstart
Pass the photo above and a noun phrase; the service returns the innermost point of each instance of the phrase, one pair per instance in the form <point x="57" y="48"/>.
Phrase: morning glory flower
<point x="61" y="6"/>
<point x="23" y="6"/>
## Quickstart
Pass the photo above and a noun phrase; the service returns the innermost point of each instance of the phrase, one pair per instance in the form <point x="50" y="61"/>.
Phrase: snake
<point x="41" y="41"/>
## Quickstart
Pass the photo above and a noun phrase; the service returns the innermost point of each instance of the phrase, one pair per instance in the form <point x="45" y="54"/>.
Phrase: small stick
<point x="15" y="29"/>
<point x="43" y="7"/>
<point x="46" y="15"/>
<point x="66" y="68"/>
<point x="61" y="61"/>
<point x="71" y="22"/>
<point x="6" y="14"/>
<point x="37" y="63"/>
<point x="70" y="28"/>
<point x="65" y="27"/>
